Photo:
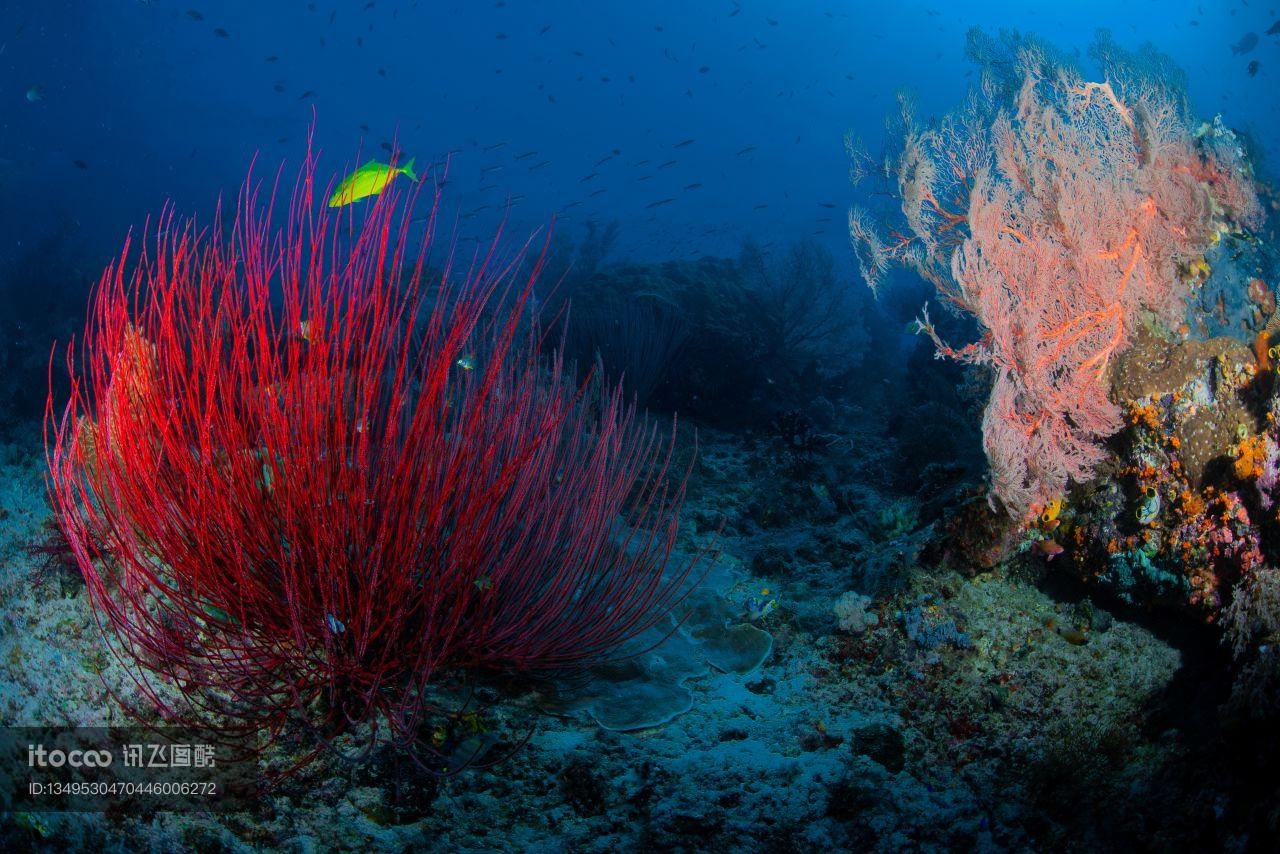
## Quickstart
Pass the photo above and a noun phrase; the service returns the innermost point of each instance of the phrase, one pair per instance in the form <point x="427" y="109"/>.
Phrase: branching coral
<point x="303" y="479"/>
<point x="1056" y="213"/>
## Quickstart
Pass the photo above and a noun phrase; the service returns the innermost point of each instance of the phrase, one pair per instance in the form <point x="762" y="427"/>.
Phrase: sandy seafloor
<point x="989" y="731"/>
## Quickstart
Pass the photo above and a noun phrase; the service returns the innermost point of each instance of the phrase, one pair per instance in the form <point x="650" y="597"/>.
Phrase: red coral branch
<point x="303" y="477"/>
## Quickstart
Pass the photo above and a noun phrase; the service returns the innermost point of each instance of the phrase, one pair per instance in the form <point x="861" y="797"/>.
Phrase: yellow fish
<point x="368" y="180"/>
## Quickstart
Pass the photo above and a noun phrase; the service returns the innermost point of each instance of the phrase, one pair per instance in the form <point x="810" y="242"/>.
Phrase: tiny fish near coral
<point x="369" y="180"/>
<point x="1049" y="549"/>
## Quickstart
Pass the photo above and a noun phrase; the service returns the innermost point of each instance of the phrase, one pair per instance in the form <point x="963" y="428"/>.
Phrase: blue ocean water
<point x="158" y="106"/>
<point x="885" y="652"/>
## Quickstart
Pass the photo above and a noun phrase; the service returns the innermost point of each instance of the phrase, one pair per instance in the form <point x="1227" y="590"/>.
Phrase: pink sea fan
<point x="1075" y="224"/>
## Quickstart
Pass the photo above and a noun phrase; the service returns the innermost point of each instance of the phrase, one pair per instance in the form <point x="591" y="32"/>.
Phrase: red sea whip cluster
<point x="306" y="478"/>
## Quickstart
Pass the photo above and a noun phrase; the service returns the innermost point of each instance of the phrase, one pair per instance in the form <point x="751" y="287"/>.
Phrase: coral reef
<point x="348" y="502"/>
<point x="1178" y="519"/>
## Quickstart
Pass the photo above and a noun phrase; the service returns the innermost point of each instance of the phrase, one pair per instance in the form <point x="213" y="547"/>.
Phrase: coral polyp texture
<point x="1062" y="214"/>
<point x="304" y="477"/>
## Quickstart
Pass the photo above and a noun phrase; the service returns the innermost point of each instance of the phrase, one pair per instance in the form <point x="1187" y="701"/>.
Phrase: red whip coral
<point x="1056" y="221"/>
<point x="303" y="477"/>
